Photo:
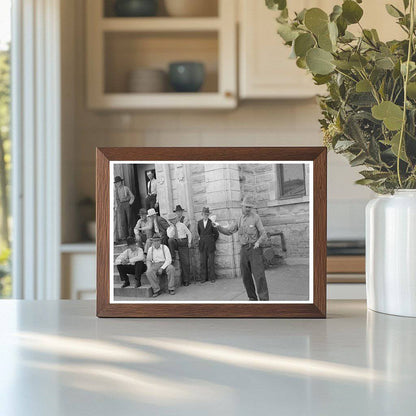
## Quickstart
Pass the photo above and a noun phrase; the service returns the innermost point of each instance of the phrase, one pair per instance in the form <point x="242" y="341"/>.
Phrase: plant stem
<point x="406" y="80"/>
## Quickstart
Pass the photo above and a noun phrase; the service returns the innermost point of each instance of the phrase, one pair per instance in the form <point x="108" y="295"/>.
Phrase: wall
<point x="259" y="123"/>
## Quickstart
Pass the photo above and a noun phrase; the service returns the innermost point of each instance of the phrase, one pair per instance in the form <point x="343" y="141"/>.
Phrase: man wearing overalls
<point x="251" y="234"/>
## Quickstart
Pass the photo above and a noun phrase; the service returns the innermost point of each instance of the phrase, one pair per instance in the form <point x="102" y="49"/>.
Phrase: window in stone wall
<point x="291" y="180"/>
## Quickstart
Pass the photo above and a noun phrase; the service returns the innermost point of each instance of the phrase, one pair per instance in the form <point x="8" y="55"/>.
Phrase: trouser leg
<point x="130" y="220"/>
<point x="173" y="246"/>
<point x="203" y="257"/>
<point x="185" y="263"/>
<point x="153" y="278"/>
<point x="257" y="268"/>
<point x="139" y="269"/>
<point x="246" y="274"/>
<point x="125" y="270"/>
<point x="123" y="221"/>
<point x="211" y="265"/>
<point x="170" y="272"/>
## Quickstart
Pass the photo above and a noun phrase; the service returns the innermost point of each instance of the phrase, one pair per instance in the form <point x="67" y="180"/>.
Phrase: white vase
<point x="391" y="253"/>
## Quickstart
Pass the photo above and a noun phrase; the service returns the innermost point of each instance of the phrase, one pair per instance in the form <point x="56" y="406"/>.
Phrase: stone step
<point x="144" y="291"/>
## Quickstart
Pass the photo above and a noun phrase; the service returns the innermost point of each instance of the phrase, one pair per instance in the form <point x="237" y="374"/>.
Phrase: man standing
<point x="151" y="198"/>
<point x="159" y="225"/>
<point x="179" y="211"/>
<point x="144" y="230"/>
<point x="250" y="234"/>
<point x="159" y="261"/>
<point x="131" y="261"/>
<point x="180" y="238"/>
<point x="123" y="199"/>
<point x="208" y="235"/>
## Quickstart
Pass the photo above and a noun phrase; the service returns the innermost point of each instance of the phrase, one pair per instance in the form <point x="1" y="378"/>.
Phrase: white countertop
<point x="56" y="358"/>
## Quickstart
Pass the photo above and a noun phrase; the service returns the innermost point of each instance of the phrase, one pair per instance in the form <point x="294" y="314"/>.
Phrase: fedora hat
<point x="142" y="211"/>
<point x="206" y="210"/>
<point x="151" y="212"/>
<point x="248" y="201"/>
<point x="118" y="179"/>
<point x="156" y="237"/>
<point x="131" y="241"/>
<point x="178" y="208"/>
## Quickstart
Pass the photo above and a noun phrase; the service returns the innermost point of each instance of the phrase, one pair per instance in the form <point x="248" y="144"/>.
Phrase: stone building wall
<point x="221" y="187"/>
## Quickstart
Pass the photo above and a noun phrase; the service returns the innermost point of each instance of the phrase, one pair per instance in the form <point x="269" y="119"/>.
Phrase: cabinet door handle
<point x="228" y="94"/>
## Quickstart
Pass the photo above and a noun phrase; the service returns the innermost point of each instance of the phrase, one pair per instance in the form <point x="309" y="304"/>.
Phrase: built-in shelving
<point x="118" y="45"/>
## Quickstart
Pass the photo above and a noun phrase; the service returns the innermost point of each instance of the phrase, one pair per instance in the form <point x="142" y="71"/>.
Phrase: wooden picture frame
<point x="314" y="308"/>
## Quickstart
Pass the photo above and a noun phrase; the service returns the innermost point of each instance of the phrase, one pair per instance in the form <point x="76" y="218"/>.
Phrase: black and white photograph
<point x="211" y="232"/>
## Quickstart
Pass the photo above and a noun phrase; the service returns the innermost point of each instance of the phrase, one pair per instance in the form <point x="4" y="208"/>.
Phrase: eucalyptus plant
<point x="369" y="112"/>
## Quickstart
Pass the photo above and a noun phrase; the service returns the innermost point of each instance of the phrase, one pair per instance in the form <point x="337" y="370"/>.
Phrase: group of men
<point x="154" y="241"/>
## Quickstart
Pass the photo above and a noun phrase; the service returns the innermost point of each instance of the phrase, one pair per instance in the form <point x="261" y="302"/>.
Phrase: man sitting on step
<point x="180" y="238"/>
<point x="159" y="262"/>
<point x="131" y="261"/>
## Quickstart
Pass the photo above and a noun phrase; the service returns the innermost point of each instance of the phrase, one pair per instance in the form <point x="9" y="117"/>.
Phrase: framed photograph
<point x="211" y="232"/>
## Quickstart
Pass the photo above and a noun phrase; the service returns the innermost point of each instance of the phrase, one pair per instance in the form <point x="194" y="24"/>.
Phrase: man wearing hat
<point x="123" y="199"/>
<point x="179" y="211"/>
<point x="159" y="261"/>
<point x="144" y="230"/>
<point x="159" y="225"/>
<point x="251" y="234"/>
<point x="131" y="261"/>
<point x="180" y="238"/>
<point x="208" y="235"/>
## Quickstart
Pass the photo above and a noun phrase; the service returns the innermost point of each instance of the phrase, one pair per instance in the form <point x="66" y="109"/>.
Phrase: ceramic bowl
<point x="186" y="76"/>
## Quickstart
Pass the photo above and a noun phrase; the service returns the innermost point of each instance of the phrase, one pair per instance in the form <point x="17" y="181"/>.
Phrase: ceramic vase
<point x="391" y="253"/>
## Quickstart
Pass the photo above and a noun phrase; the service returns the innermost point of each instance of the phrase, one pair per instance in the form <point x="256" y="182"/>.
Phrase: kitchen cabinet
<point x="116" y="46"/>
<point x="265" y="70"/>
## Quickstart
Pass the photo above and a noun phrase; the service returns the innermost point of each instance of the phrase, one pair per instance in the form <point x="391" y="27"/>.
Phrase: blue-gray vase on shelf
<point x="186" y="76"/>
<point x="135" y="8"/>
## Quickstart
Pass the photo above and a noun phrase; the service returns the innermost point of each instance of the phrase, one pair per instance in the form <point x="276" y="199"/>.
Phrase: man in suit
<point x="208" y="235"/>
<point x="160" y="225"/>
<point x="151" y="198"/>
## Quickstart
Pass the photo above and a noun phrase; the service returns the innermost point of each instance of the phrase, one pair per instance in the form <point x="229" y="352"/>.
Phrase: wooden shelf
<point x="346" y="264"/>
<point x="159" y="24"/>
<point x="163" y="101"/>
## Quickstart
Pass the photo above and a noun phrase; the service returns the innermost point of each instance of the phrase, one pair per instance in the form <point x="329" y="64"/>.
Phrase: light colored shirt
<point x="130" y="256"/>
<point x="152" y="187"/>
<point x="158" y="255"/>
<point x="182" y="231"/>
<point x="250" y="229"/>
<point x="144" y="226"/>
<point x="205" y="223"/>
<point x="123" y="194"/>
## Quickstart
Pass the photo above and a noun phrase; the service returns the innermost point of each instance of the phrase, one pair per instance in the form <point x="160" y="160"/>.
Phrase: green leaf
<point x="301" y="63"/>
<point x="342" y="25"/>
<point x="394" y="145"/>
<point x="385" y="63"/>
<point x="406" y="4"/>
<point x="286" y="32"/>
<point x="319" y="61"/>
<point x="391" y="114"/>
<point x="363" y="86"/>
<point x="343" y="65"/>
<point x="358" y="160"/>
<point x="393" y="11"/>
<point x="351" y="11"/>
<point x="303" y="43"/>
<point x="316" y="20"/>
<point x="276" y="4"/>
<point x="336" y="12"/>
<point x="321" y="79"/>
<point x="411" y="90"/>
